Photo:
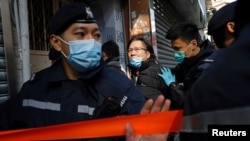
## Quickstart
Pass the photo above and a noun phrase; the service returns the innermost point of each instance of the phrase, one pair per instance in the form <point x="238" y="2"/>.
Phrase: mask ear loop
<point x="64" y="43"/>
<point x="58" y="37"/>
<point x="64" y="54"/>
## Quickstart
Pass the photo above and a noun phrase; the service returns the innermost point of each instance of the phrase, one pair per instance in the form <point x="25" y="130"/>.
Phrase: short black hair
<point x="147" y="45"/>
<point x="111" y="49"/>
<point x="185" y="31"/>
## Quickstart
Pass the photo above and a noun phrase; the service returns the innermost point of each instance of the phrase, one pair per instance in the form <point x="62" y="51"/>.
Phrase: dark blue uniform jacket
<point x="222" y="93"/>
<point x="188" y="72"/>
<point x="50" y="98"/>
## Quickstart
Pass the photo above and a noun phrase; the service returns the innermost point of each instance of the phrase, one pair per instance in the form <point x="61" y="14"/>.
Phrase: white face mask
<point x="84" y="55"/>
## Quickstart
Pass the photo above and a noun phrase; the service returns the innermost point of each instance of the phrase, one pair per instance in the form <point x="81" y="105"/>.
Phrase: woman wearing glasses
<point x="144" y="68"/>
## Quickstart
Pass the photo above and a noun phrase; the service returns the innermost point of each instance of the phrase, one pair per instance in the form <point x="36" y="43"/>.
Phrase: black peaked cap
<point x="221" y="17"/>
<point x="74" y="12"/>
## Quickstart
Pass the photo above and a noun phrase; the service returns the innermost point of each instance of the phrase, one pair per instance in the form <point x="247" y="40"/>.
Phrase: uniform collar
<point x="56" y="72"/>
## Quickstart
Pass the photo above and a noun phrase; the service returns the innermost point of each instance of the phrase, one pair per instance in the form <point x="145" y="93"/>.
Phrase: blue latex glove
<point x="167" y="76"/>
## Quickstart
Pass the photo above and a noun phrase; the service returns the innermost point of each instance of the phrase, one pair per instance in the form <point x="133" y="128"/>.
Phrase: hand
<point x="150" y="106"/>
<point x="167" y="76"/>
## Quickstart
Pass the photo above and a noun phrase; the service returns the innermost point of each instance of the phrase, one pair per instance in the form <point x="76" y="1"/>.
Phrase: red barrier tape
<point x="161" y="122"/>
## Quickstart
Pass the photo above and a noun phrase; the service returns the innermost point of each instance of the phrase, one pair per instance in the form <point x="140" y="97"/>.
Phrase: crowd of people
<point x="86" y="81"/>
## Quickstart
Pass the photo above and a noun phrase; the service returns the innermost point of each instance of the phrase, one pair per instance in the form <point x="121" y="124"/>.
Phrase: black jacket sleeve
<point x="178" y="96"/>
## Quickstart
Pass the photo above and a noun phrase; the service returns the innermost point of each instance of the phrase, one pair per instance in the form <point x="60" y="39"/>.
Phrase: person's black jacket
<point x="187" y="73"/>
<point x="50" y="98"/>
<point x="148" y="81"/>
<point x="114" y="63"/>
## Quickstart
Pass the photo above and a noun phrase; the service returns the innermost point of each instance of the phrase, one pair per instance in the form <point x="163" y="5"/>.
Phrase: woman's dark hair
<point x="147" y="45"/>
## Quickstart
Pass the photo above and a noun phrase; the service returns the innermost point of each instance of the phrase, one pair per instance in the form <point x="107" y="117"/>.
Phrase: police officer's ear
<point x="193" y="44"/>
<point x="230" y="27"/>
<point x="55" y="42"/>
<point x="104" y="56"/>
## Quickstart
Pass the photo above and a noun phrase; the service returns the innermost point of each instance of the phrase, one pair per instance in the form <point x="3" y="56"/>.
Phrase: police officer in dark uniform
<point x="190" y="51"/>
<point x="221" y="95"/>
<point x="221" y="28"/>
<point x="77" y="86"/>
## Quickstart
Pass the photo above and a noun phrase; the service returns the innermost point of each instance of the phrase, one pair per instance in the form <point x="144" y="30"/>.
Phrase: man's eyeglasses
<point x="135" y="49"/>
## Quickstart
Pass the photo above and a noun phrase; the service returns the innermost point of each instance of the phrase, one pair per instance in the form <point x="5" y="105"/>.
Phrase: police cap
<point x="221" y="17"/>
<point x="75" y="12"/>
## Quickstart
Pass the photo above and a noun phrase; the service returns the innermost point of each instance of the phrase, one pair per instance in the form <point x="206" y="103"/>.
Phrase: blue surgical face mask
<point x="135" y="62"/>
<point x="84" y="55"/>
<point x="179" y="56"/>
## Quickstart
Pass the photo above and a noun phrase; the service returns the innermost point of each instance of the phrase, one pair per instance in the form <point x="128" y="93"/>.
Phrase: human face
<point x="138" y="49"/>
<point x="76" y="31"/>
<point x="181" y="45"/>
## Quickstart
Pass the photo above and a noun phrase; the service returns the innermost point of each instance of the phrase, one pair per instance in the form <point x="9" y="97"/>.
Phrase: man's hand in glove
<point x="167" y="76"/>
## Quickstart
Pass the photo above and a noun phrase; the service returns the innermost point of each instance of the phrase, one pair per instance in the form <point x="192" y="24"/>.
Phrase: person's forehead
<point x="178" y="44"/>
<point x="84" y="26"/>
<point x="136" y="43"/>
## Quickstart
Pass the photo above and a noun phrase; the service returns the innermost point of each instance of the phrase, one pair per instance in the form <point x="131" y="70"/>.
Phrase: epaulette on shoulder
<point x="205" y="63"/>
<point x="36" y="75"/>
<point x="208" y="60"/>
<point x="33" y="75"/>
